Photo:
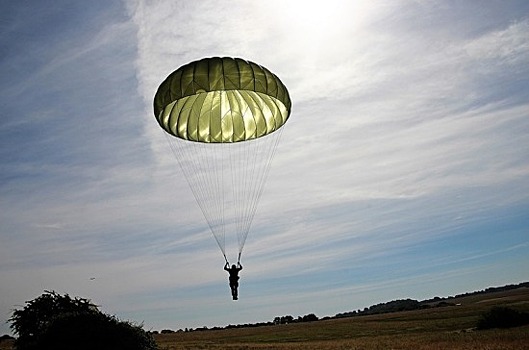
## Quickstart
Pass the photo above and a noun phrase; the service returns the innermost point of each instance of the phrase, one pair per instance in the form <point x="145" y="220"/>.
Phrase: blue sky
<point x="402" y="172"/>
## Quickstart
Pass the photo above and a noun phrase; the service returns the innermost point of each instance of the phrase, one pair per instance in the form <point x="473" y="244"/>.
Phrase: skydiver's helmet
<point x="233" y="266"/>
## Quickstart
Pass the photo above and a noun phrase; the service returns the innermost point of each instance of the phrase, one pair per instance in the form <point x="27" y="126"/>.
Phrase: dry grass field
<point x="442" y="328"/>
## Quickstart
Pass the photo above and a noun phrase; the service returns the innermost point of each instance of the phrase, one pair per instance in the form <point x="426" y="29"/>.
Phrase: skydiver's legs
<point x="234" y="291"/>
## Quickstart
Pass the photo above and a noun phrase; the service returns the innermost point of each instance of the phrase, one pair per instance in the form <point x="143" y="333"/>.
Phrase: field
<point x="441" y="328"/>
<point x="450" y="327"/>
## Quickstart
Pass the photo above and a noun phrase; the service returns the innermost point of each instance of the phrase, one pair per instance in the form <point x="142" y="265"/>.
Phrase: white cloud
<point x="504" y="47"/>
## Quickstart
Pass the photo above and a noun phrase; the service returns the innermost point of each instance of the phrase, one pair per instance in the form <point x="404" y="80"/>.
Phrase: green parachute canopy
<point x="221" y="100"/>
<point x="234" y="111"/>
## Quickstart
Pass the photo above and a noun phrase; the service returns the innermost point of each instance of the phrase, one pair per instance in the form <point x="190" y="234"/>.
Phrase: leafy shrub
<point x="94" y="331"/>
<point x="30" y="322"/>
<point x="54" y="321"/>
<point x="502" y="317"/>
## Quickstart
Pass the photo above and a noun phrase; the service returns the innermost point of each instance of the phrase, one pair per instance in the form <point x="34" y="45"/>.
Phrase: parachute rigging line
<point x="227" y="182"/>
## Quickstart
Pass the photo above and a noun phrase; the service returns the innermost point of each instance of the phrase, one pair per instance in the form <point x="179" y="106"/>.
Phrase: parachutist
<point x="234" y="277"/>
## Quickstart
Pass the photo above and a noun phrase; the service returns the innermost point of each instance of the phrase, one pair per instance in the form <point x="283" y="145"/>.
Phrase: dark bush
<point x="6" y="337"/>
<point x="54" y="321"/>
<point x="94" y="331"/>
<point x="502" y="317"/>
<point x="30" y="322"/>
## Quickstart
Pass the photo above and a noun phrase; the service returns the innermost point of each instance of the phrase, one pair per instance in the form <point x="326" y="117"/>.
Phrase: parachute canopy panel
<point x="221" y="100"/>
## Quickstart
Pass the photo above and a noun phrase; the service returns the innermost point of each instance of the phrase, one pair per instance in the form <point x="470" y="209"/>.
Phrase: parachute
<point x="223" y="119"/>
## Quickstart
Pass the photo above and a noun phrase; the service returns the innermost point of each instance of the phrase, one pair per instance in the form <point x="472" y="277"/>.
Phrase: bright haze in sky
<point x="403" y="171"/>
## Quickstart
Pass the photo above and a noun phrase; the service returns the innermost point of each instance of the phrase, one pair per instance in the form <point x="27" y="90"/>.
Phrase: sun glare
<point x="319" y="23"/>
<point x="327" y="14"/>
